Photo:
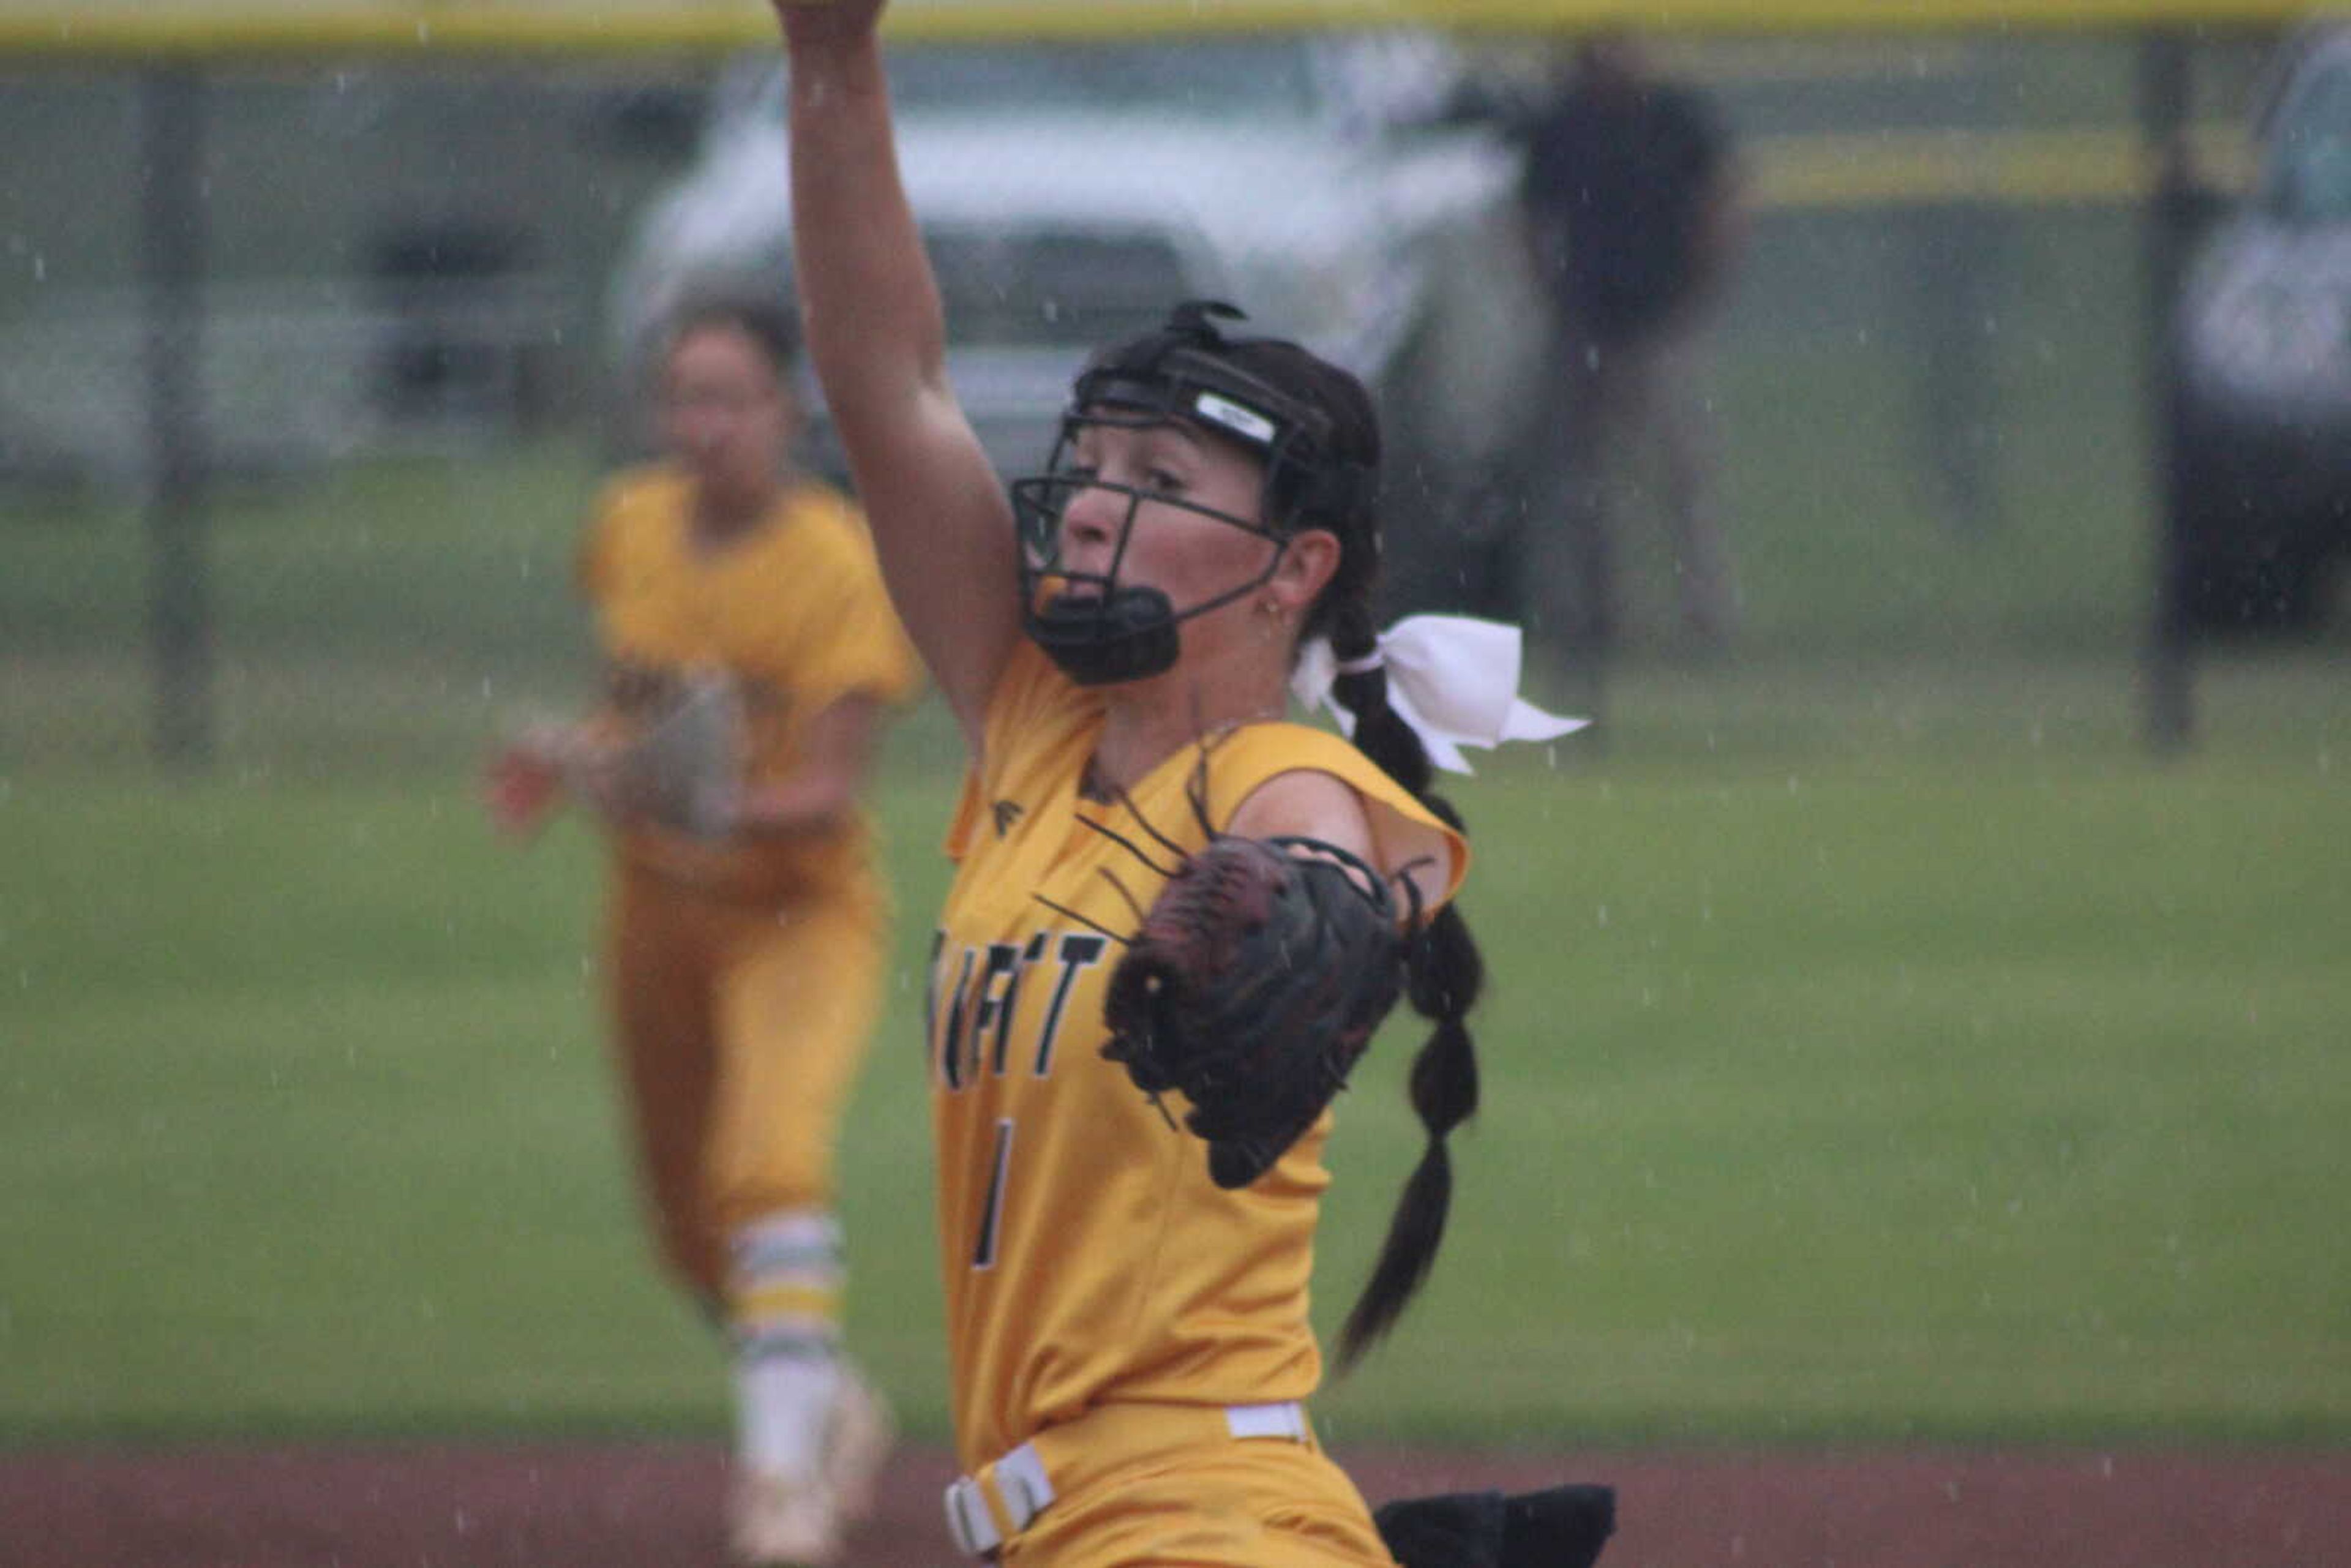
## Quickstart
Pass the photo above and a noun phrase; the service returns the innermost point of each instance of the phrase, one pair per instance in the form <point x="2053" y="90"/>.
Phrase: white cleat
<point x="856" y="1443"/>
<point x="783" y="1521"/>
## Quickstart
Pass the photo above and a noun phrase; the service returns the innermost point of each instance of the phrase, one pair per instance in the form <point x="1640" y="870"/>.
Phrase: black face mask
<point x="1099" y="642"/>
<point x="1099" y="629"/>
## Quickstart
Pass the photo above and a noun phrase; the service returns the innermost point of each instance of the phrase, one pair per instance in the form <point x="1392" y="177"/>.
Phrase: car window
<point x="1209" y="77"/>
<point x="1048" y="287"/>
<point x="2310" y="159"/>
<point x="1216" y="77"/>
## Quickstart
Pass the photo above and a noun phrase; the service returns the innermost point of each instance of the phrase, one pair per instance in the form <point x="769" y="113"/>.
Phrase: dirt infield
<point x="657" y="1506"/>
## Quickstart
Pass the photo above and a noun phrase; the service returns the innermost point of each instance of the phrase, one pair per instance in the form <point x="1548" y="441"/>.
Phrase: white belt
<point x="1022" y="1488"/>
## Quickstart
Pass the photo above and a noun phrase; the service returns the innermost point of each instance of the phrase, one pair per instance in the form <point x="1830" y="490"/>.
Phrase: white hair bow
<point x="1453" y="678"/>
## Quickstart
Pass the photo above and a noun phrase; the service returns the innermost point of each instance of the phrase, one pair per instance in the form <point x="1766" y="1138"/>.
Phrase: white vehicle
<point x="1068" y="194"/>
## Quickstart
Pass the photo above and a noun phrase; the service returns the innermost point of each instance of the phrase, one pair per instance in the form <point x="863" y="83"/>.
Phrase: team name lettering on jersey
<point x="971" y="1007"/>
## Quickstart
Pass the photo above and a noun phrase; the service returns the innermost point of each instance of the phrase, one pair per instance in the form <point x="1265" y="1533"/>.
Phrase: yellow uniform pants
<point x="740" y="1027"/>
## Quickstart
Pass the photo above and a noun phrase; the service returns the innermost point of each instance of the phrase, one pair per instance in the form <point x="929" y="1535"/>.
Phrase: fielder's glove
<point x="678" y="766"/>
<point x="1258" y="979"/>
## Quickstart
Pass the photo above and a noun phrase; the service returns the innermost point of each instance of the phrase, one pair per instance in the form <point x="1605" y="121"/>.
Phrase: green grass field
<point x="1882" y="1045"/>
<point x="1842" y="1097"/>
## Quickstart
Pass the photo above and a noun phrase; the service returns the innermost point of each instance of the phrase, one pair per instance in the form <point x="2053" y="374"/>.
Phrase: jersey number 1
<point x="991" y="1216"/>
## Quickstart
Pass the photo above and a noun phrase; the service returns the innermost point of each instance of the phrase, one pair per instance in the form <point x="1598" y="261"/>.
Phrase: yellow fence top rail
<point x="2013" y="168"/>
<point x="119" y="28"/>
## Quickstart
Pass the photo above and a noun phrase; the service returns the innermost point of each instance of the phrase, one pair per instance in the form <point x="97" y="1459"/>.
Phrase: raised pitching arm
<point x="877" y="336"/>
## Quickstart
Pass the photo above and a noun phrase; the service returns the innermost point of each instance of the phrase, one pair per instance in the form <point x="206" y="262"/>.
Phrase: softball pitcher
<point x="748" y="925"/>
<point x="1175" y="917"/>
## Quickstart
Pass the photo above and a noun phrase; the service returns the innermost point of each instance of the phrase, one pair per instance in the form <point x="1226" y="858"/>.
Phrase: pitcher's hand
<point x="822" y="24"/>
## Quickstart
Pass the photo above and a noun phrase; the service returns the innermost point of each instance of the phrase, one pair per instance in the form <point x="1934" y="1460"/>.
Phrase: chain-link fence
<point x="407" y="291"/>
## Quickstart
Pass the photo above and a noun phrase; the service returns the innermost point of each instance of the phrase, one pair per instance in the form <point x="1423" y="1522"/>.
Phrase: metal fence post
<point x="2169" y="666"/>
<point x="173" y="240"/>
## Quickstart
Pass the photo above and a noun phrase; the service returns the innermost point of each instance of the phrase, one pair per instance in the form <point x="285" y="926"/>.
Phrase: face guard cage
<point x="1100" y="629"/>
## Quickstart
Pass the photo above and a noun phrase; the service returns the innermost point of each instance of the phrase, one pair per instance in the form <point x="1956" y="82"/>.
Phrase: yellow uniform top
<point x="1087" y="1255"/>
<point x="794" y="610"/>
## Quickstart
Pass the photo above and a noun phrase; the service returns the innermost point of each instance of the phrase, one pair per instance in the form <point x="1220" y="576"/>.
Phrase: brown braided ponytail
<point x="1443" y="970"/>
<point x="1443" y="976"/>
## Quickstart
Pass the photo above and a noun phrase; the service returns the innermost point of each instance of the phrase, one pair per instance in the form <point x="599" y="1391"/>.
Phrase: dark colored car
<point x="2262" y="432"/>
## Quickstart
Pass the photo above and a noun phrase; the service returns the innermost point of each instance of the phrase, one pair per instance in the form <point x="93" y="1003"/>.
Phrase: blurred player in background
<point x="1127" y="1307"/>
<point x="1635" y="218"/>
<point x="748" y="927"/>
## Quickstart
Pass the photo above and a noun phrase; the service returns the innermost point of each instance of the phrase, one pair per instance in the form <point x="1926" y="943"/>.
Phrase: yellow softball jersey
<point x="1087" y="1255"/>
<point x="794" y="610"/>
